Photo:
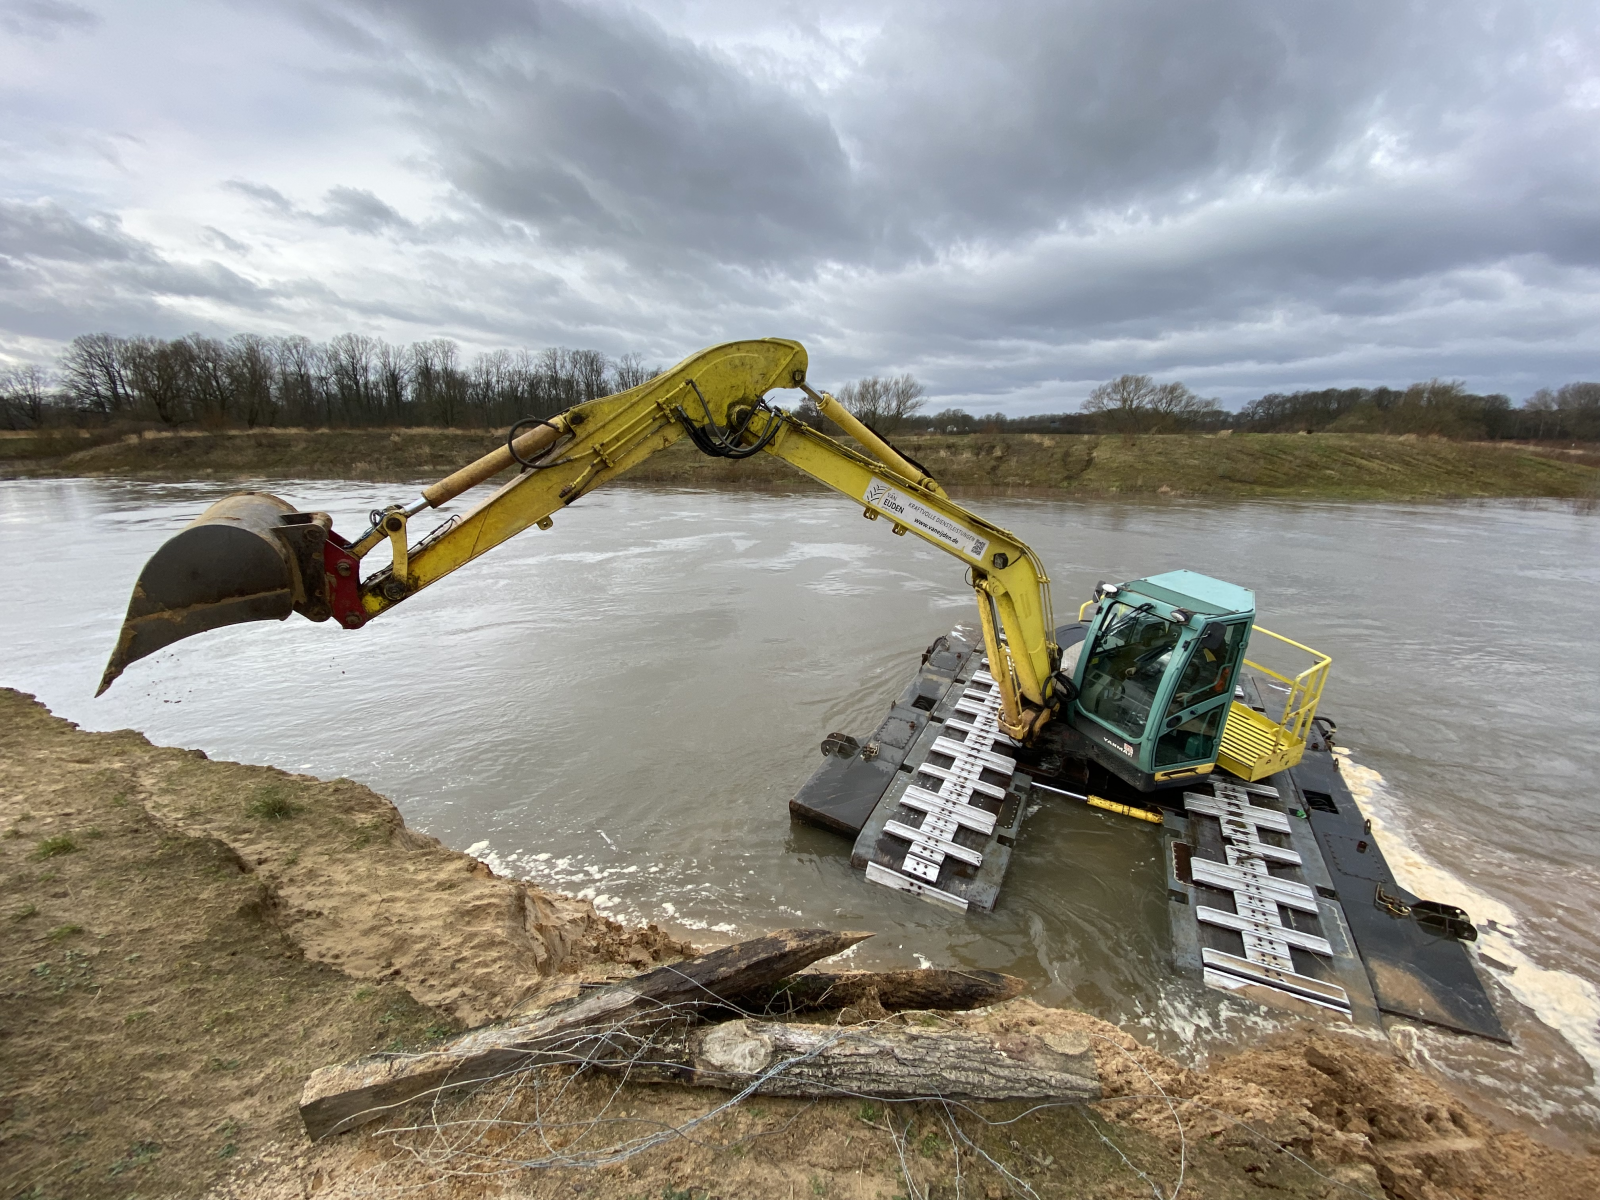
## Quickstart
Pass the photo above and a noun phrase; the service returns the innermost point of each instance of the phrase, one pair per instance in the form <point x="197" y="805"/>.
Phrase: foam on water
<point x="1565" y="1002"/>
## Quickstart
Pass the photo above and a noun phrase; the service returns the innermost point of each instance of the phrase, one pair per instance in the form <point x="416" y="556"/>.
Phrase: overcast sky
<point x="1014" y="201"/>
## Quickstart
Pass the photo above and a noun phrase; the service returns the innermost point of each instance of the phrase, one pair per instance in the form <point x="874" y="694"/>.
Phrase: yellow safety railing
<point x="1253" y="744"/>
<point x="1305" y="689"/>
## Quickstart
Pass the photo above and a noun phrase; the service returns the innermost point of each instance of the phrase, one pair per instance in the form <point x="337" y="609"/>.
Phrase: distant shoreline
<point x="1369" y="467"/>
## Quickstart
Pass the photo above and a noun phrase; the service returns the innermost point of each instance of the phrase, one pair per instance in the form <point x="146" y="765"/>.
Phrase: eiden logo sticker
<point x="936" y="525"/>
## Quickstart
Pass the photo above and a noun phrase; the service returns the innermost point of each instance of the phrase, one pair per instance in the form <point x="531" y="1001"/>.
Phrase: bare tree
<point x="96" y="377"/>
<point x="24" y="396"/>
<point x="156" y="376"/>
<point x="591" y="371"/>
<point x="883" y="404"/>
<point x="351" y="360"/>
<point x="1138" y="404"/>
<point x="302" y="381"/>
<point x="393" y="368"/>
<point x="440" y="386"/>
<point x="251" y="368"/>
<point x="203" y="378"/>
<point x="631" y="372"/>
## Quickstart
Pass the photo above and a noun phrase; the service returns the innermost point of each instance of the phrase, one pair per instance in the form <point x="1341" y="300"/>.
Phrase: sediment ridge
<point x="187" y="940"/>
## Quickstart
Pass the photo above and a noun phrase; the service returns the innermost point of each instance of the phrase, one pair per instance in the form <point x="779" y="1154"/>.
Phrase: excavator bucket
<point x="249" y="557"/>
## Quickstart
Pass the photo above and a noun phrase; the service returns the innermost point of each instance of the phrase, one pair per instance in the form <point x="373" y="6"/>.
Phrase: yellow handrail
<point x="1305" y="689"/>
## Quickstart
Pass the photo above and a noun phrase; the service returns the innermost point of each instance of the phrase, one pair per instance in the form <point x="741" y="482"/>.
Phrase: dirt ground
<point x="185" y="940"/>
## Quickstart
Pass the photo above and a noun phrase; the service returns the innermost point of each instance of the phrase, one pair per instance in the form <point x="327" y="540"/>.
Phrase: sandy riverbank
<point x="185" y="940"/>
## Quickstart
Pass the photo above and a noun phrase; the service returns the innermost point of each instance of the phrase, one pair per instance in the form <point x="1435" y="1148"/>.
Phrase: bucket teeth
<point x="248" y="557"/>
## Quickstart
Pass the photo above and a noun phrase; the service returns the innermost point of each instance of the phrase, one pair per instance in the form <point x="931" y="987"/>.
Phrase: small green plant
<point x="930" y="1145"/>
<point x="228" y="1150"/>
<point x="13" y="832"/>
<point x="365" y="993"/>
<point x="94" y="831"/>
<point x="52" y="847"/>
<point x="139" y="1154"/>
<point x="224" y="1064"/>
<point x="869" y="1112"/>
<point x="819" y="1186"/>
<point x="135" y="1017"/>
<point x="26" y="911"/>
<point x="437" y="1032"/>
<point x="62" y="932"/>
<point x="271" y="804"/>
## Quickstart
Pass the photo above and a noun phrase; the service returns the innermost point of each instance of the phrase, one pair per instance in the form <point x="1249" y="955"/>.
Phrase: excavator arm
<point x="224" y="568"/>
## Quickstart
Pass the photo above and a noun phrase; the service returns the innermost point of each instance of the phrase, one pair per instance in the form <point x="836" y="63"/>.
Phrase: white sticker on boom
<point x="936" y="525"/>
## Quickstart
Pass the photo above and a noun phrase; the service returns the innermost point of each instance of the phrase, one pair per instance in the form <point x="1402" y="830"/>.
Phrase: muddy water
<point x="622" y="707"/>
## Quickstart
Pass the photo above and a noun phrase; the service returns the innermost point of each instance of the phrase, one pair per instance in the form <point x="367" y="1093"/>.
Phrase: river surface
<point x="621" y="707"/>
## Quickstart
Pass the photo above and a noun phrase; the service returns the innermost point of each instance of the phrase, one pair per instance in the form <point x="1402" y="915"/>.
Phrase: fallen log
<point x="882" y="1060"/>
<point x="929" y="988"/>
<point x="608" y="1022"/>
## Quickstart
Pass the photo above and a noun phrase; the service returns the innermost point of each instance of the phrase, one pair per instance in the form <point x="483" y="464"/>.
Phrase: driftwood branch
<point x="930" y="988"/>
<point x="879" y="1059"/>
<point x="597" y="1025"/>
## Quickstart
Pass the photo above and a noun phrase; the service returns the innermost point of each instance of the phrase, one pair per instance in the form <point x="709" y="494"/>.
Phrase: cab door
<point x="1191" y="726"/>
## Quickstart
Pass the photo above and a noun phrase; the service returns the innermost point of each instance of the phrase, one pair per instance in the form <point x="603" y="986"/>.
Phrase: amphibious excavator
<point x="1145" y="706"/>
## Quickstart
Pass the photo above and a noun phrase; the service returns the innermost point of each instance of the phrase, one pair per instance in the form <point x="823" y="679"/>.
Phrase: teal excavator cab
<point x="1154" y="673"/>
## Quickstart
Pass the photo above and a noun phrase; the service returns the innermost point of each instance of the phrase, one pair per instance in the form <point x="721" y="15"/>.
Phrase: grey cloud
<point x="356" y="209"/>
<point x="600" y="129"/>
<point x="45" y="20"/>
<point x="221" y="240"/>
<point x="269" y="198"/>
<point x="60" y="274"/>
<point x="359" y="210"/>
<point x="1010" y="199"/>
<point x="45" y="230"/>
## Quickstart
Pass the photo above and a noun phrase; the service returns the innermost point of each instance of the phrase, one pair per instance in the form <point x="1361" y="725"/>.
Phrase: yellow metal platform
<point x="1253" y="744"/>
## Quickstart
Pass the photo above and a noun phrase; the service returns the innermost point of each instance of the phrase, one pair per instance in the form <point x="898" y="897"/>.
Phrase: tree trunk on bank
<point x="609" y="1023"/>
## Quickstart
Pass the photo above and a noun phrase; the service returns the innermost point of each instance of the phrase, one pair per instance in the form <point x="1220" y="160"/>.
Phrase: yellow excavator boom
<point x="716" y="398"/>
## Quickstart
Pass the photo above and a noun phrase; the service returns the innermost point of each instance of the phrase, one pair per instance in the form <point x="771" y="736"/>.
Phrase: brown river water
<point x="621" y="707"/>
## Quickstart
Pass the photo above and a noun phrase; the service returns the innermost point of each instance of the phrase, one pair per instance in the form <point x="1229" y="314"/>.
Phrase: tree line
<point x="355" y="381"/>
<point x="350" y="381"/>
<point x="1137" y="404"/>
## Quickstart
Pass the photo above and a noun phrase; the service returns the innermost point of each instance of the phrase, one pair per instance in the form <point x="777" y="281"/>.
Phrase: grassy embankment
<point x="1318" y="466"/>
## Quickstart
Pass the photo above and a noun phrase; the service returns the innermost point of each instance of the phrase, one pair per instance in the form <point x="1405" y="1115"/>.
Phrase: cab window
<point x="1210" y="669"/>
<point x="1125" y="666"/>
